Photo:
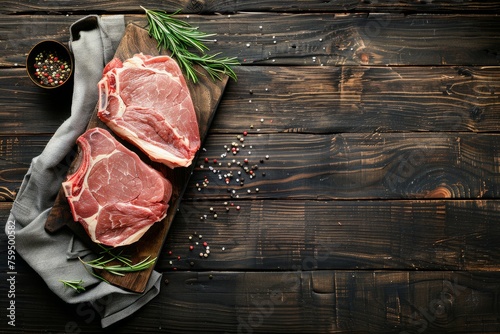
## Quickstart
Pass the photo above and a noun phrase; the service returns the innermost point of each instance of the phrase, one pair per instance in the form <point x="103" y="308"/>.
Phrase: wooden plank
<point x="21" y="33"/>
<point x="310" y="100"/>
<point x="285" y="302"/>
<point x="4" y="212"/>
<point x="349" y="166"/>
<point x="29" y="109"/>
<point x="348" y="212"/>
<point x="308" y="39"/>
<point x="326" y="235"/>
<point x="320" y="235"/>
<point x="355" y="39"/>
<point x="339" y="166"/>
<point x="362" y="99"/>
<point x="210" y="6"/>
<point x="16" y="153"/>
<point x="339" y="301"/>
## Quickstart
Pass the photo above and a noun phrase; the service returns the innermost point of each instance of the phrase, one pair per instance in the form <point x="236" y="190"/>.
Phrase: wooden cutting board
<point x="206" y="95"/>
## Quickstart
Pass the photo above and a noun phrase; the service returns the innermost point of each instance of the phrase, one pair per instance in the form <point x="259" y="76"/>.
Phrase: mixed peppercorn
<point x="216" y="166"/>
<point x="50" y="70"/>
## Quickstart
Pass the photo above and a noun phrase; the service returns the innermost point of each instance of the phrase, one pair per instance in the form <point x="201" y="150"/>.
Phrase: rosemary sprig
<point x="102" y="262"/>
<point x="119" y="269"/>
<point x="123" y="259"/>
<point x="125" y="266"/>
<point x="75" y="285"/>
<point x="179" y="37"/>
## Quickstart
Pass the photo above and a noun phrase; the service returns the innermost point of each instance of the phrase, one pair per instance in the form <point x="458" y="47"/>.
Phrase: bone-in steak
<point x="146" y="101"/>
<point x="113" y="193"/>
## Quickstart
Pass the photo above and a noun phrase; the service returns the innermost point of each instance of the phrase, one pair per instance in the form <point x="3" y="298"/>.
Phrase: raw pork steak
<point x="114" y="194"/>
<point x="146" y="101"/>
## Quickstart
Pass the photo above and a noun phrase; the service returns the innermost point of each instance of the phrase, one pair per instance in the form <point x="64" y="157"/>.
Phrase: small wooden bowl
<point x="47" y="48"/>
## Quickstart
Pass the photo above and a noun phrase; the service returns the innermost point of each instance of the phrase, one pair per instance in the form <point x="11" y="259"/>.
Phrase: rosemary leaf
<point x="75" y="285"/>
<point x="119" y="269"/>
<point x="179" y="37"/>
<point x="118" y="257"/>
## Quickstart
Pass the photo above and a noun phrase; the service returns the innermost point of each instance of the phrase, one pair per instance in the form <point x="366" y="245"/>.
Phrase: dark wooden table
<point x="377" y="208"/>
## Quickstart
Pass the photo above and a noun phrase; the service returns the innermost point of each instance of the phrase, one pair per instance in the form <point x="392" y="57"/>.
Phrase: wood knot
<point x="464" y="71"/>
<point x="476" y="113"/>
<point x="439" y="192"/>
<point x="365" y="58"/>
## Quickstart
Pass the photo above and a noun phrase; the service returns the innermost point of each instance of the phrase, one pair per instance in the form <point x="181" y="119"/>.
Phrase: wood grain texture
<point x="27" y="108"/>
<point x="311" y="99"/>
<point x="325" y="235"/>
<point x="350" y="166"/>
<point x="308" y="39"/>
<point x="16" y="153"/>
<point x="362" y="99"/>
<point x="315" y="166"/>
<point x="379" y="209"/>
<point x="343" y="301"/>
<point x="210" y="6"/>
<point x="326" y="301"/>
<point x="378" y="165"/>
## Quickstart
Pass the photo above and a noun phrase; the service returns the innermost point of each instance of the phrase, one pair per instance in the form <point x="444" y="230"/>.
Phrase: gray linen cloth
<point x="93" y="41"/>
